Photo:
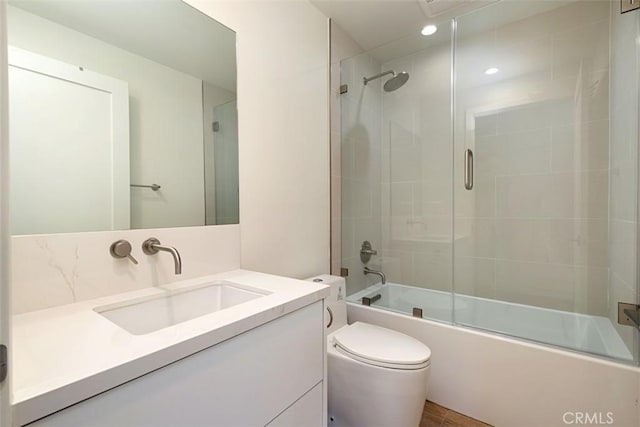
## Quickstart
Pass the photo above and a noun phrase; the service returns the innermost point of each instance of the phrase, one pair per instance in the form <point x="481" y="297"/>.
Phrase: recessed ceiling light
<point x="490" y="71"/>
<point x="429" y="29"/>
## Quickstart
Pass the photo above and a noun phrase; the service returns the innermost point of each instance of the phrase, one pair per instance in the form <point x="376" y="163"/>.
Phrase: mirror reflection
<point x="123" y="115"/>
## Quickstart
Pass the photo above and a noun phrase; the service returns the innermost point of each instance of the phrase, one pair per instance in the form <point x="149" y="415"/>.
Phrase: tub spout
<point x="383" y="278"/>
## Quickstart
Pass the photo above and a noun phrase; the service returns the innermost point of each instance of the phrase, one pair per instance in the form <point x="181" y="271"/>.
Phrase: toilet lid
<point x="382" y="347"/>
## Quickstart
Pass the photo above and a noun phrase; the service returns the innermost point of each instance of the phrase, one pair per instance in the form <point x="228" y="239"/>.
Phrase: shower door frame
<point x="5" y="320"/>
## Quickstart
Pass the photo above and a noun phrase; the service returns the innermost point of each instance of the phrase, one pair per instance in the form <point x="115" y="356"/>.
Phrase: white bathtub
<point x="590" y="334"/>
<point x="505" y="381"/>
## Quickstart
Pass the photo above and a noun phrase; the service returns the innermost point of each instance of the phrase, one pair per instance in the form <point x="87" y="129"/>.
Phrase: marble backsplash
<point x="57" y="269"/>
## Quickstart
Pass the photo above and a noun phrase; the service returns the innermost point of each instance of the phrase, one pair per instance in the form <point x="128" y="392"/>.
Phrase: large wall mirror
<point x="122" y="115"/>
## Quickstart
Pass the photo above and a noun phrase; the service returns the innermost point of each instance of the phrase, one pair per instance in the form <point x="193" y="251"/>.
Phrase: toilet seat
<point x="381" y="347"/>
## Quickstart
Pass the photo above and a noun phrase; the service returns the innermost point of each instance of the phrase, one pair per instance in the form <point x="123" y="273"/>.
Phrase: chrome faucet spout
<point x="383" y="278"/>
<point x="152" y="246"/>
<point x="177" y="261"/>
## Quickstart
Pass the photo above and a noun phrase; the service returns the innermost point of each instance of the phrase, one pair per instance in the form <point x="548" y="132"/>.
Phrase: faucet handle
<point x="122" y="249"/>
<point x="366" y="251"/>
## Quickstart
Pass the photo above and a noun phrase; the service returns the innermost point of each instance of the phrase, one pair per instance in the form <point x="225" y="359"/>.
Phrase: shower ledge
<point x="66" y="354"/>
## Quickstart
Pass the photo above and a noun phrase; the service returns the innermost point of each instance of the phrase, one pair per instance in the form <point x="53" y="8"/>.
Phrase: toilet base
<point x="363" y="395"/>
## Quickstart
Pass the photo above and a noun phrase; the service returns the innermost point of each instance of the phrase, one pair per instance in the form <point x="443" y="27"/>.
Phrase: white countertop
<point x="68" y="353"/>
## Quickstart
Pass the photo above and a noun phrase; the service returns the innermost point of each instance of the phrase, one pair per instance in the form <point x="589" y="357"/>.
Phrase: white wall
<point x="165" y="118"/>
<point x="284" y="146"/>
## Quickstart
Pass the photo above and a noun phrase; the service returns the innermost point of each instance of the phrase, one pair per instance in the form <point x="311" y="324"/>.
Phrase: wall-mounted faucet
<point x="383" y="278"/>
<point x="152" y="245"/>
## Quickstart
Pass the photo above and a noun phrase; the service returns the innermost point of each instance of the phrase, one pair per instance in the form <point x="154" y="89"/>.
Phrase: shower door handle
<point x="468" y="169"/>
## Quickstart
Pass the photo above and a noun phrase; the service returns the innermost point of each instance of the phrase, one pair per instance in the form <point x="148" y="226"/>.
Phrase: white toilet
<point x="376" y="376"/>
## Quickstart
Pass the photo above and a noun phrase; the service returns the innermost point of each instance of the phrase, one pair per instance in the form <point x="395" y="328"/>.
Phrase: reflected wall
<point x="172" y="91"/>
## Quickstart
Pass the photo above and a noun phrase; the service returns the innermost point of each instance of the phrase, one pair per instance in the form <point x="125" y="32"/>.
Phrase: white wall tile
<point x="581" y="146"/>
<point x="523" y="239"/>
<point x="624" y="250"/>
<point x="557" y="195"/>
<point x="361" y="168"/>
<point x="433" y="270"/>
<point x="624" y="173"/>
<point x="477" y="237"/>
<point x="398" y="266"/>
<point x="513" y="153"/>
<point x="536" y="116"/>
<point x="585" y="46"/>
<point x="474" y="276"/>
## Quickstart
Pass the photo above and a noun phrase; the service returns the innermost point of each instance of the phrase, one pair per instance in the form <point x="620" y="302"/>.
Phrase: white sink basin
<point x="148" y="314"/>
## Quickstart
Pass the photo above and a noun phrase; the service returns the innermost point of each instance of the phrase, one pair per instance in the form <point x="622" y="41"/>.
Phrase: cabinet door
<point x="245" y="381"/>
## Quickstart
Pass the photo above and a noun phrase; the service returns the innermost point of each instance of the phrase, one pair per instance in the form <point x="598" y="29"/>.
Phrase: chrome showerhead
<point x="396" y="81"/>
<point x="393" y="83"/>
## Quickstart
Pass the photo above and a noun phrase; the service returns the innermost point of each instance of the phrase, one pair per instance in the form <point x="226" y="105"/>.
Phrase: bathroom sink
<point x="148" y="314"/>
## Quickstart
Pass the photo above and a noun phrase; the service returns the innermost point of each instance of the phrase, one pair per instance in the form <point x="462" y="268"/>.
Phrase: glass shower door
<point x="545" y="175"/>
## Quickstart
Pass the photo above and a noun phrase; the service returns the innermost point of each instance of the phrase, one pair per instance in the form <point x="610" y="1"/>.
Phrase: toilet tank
<point x="335" y="302"/>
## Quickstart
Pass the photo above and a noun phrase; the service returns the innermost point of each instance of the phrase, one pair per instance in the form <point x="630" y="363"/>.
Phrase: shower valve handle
<point x="366" y="251"/>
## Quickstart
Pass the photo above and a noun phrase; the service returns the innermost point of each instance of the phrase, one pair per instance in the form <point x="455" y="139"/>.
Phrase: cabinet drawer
<point x="305" y="412"/>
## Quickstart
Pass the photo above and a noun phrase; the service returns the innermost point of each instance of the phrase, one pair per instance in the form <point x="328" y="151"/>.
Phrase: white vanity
<point x="254" y="355"/>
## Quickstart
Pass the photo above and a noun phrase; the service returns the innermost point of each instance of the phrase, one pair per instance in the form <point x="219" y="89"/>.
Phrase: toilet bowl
<point x="375" y="376"/>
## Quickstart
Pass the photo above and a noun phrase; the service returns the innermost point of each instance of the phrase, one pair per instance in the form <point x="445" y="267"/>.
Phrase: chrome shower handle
<point x="366" y="251"/>
<point x="468" y="169"/>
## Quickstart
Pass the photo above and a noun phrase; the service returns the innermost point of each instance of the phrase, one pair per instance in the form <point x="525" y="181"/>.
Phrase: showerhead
<point x="396" y="81"/>
<point x="393" y="83"/>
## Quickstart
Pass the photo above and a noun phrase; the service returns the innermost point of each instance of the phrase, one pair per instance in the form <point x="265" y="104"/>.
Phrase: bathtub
<point x="505" y="381"/>
<point x="581" y="332"/>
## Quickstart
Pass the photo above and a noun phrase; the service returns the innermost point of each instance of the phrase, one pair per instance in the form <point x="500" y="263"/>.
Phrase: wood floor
<point x="435" y="416"/>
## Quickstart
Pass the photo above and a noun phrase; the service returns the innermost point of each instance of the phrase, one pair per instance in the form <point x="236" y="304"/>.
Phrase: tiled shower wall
<point x="534" y="228"/>
<point x="417" y="169"/>
<point x="624" y="167"/>
<point x="359" y="157"/>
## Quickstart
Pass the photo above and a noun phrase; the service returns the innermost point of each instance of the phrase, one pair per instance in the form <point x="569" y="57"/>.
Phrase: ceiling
<point x="373" y="23"/>
<point x="171" y="33"/>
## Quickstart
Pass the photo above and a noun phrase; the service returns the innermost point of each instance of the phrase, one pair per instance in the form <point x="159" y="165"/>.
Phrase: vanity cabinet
<point x="270" y="375"/>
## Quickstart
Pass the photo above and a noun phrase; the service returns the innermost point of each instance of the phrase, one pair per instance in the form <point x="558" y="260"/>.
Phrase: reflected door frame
<point x="5" y="260"/>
